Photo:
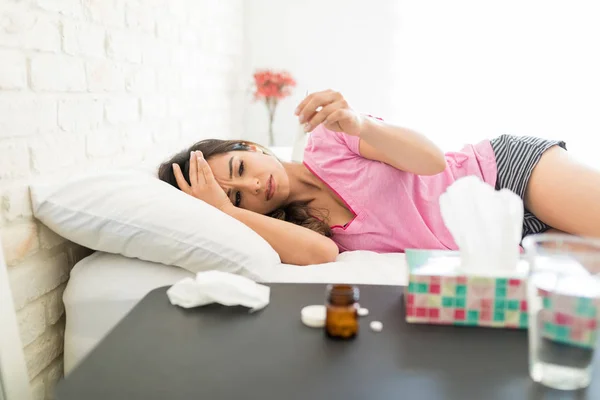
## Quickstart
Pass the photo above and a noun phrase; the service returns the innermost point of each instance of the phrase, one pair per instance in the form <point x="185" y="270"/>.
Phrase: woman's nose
<point x="253" y="185"/>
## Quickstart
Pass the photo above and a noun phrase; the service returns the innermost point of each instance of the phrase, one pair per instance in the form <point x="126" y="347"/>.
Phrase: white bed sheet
<point x="104" y="287"/>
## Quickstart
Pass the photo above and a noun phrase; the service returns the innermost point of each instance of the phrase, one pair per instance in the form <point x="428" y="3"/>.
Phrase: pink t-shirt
<point x="394" y="210"/>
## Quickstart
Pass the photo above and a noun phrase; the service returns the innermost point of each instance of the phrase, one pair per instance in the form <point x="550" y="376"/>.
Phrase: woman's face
<point x="252" y="180"/>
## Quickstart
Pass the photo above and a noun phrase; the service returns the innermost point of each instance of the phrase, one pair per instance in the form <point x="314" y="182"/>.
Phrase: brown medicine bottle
<point x="341" y="320"/>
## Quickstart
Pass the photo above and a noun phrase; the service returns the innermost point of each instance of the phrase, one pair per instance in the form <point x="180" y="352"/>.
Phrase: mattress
<point x="104" y="287"/>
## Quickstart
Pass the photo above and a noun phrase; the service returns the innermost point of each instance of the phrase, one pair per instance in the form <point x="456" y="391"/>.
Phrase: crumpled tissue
<point x="219" y="287"/>
<point x="486" y="225"/>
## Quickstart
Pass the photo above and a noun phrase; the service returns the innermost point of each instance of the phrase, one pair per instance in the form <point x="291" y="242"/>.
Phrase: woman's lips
<point x="270" y="188"/>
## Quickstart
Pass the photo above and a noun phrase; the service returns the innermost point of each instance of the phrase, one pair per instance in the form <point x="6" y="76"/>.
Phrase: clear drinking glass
<point x="563" y="296"/>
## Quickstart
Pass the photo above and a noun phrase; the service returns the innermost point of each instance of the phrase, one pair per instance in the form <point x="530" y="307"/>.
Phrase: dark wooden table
<point x="160" y="351"/>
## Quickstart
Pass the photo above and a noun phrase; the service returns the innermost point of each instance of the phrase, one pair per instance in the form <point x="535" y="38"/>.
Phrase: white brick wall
<point x="13" y="70"/>
<point x="83" y="39"/>
<point x="57" y="73"/>
<point x="17" y="109"/>
<point x="98" y="83"/>
<point x="104" y="76"/>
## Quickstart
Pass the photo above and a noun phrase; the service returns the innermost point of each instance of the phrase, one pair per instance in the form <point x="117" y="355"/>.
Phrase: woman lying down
<point x="368" y="185"/>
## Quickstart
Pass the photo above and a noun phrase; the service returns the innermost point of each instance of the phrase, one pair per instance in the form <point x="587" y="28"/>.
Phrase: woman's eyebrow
<point x="231" y="167"/>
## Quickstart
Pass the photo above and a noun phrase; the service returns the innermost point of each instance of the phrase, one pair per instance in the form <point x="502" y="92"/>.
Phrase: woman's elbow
<point x="325" y="252"/>
<point x="437" y="165"/>
<point x="330" y="252"/>
<point x="440" y="165"/>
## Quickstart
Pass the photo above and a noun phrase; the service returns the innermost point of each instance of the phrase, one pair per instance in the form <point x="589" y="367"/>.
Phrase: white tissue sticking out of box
<point x="219" y="287"/>
<point x="486" y="225"/>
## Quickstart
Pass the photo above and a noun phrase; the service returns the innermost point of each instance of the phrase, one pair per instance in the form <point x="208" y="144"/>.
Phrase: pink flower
<point x="273" y="84"/>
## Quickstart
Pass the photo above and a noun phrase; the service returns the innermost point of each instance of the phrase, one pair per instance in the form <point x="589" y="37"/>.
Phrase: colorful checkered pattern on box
<point x="568" y="319"/>
<point x="453" y="299"/>
<point x="467" y="300"/>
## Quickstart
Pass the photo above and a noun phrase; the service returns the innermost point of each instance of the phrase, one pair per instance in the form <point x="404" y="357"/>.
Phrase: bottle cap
<point x="313" y="316"/>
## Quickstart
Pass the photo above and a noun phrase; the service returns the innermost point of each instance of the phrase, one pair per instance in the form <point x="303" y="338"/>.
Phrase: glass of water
<point x="563" y="296"/>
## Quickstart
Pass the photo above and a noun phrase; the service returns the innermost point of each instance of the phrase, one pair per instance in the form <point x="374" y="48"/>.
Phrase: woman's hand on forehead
<point x="203" y="185"/>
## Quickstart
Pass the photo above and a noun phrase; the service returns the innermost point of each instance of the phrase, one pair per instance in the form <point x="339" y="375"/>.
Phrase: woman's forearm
<point x="295" y="244"/>
<point x="403" y="148"/>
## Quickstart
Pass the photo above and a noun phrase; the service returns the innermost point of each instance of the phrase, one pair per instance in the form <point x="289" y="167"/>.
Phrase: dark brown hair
<point x="298" y="213"/>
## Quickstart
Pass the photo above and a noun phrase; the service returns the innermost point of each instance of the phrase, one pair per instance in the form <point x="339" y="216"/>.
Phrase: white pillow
<point x="135" y="214"/>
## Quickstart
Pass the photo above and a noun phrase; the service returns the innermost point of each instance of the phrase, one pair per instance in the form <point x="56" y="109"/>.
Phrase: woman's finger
<point x="337" y="116"/>
<point x="320" y="99"/>
<point x="183" y="185"/>
<point x="207" y="173"/>
<point x="193" y="168"/>
<point x="322" y="115"/>
<point x="317" y="100"/>
<point x="333" y="119"/>
<point x="303" y="103"/>
<point x="200" y="161"/>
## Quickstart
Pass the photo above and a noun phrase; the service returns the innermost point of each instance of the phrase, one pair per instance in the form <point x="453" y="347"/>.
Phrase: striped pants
<point x="516" y="156"/>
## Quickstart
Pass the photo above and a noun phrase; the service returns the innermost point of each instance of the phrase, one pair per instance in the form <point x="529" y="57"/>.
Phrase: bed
<point x="146" y="234"/>
<point x="104" y="287"/>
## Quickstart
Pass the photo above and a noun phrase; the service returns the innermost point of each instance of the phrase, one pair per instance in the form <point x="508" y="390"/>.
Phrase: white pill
<point x="363" y="312"/>
<point x="376" y="326"/>
<point x="313" y="316"/>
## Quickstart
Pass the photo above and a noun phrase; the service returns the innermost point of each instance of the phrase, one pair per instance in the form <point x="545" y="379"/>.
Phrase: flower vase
<point x="271" y="87"/>
<point x="271" y="104"/>
<point x="271" y="135"/>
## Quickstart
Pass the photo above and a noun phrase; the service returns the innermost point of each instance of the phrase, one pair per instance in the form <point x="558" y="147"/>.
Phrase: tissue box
<point x="438" y="293"/>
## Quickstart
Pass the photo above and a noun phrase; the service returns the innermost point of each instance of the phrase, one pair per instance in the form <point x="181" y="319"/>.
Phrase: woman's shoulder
<point x="325" y="144"/>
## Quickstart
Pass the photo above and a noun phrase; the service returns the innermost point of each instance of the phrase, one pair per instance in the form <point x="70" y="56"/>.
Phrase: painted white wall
<point x="469" y="69"/>
<point x="458" y="71"/>
<point x="335" y="44"/>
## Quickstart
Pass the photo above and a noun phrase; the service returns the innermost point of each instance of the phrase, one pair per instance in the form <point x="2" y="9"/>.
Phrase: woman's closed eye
<point x="238" y="195"/>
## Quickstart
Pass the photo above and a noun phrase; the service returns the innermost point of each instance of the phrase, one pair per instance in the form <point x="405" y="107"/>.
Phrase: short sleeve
<point x="324" y="144"/>
<point x="353" y="142"/>
<point x="339" y="144"/>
